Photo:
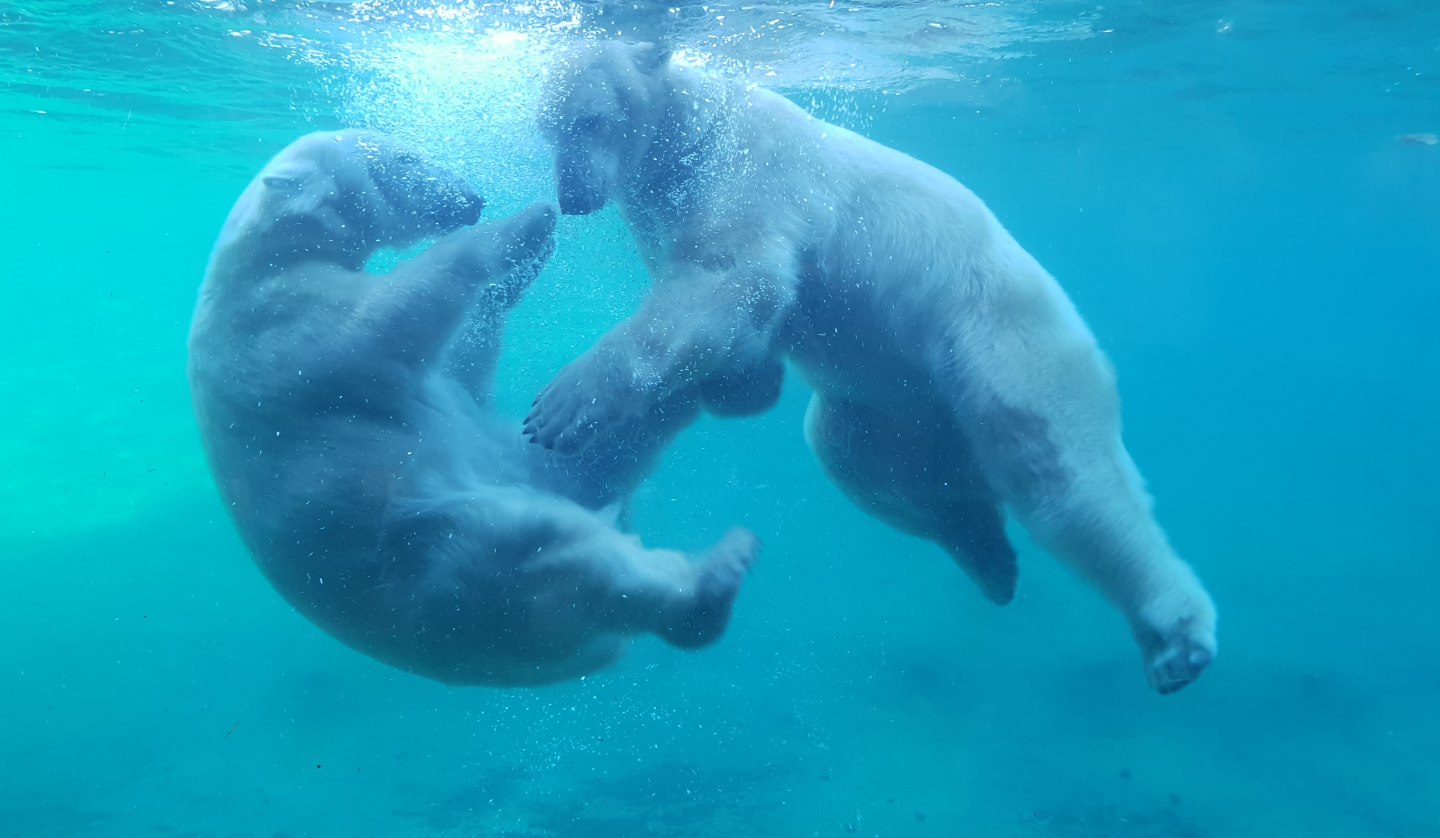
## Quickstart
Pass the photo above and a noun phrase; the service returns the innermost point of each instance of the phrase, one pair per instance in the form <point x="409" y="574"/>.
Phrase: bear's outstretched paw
<point x="1177" y="655"/>
<point x="528" y="238"/>
<point x="586" y="397"/>
<point x="702" y="620"/>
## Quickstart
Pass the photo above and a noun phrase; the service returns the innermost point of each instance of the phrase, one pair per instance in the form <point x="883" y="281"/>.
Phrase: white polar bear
<point x="951" y="373"/>
<point x="347" y="429"/>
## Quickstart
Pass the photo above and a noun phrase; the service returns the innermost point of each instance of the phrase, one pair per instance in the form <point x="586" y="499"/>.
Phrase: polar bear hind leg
<point x="911" y="468"/>
<point x="1045" y="426"/>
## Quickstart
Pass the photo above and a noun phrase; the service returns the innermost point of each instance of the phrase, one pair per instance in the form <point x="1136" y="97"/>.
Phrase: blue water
<point x="1239" y="197"/>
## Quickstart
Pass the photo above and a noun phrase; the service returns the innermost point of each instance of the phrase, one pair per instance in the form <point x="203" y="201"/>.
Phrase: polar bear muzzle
<point x="412" y="185"/>
<point x="580" y="182"/>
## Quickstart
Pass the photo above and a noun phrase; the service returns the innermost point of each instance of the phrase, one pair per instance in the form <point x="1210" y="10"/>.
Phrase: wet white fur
<point x="899" y="296"/>
<point x="346" y="425"/>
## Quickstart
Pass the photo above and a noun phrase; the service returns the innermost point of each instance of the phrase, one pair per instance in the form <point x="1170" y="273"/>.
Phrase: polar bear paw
<point x="704" y="617"/>
<point x="1176" y="654"/>
<point x="597" y="392"/>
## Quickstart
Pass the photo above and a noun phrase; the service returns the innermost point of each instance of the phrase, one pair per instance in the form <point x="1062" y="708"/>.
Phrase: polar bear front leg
<point x="693" y="324"/>
<point x="413" y="313"/>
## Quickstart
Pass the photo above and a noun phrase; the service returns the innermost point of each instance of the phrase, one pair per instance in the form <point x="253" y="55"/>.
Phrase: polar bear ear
<point x="289" y="178"/>
<point x="297" y="188"/>
<point x="285" y="184"/>
<point x="279" y="192"/>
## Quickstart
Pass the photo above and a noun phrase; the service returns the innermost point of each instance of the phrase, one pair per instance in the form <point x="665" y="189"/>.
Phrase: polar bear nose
<point x="468" y="207"/>
<point x="459" y="208"/>
<point x="579" y="201"/>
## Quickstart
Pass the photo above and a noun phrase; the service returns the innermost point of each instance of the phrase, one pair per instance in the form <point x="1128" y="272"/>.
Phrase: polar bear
<point x="348" y="429"/>
<point x="952" y="375"/>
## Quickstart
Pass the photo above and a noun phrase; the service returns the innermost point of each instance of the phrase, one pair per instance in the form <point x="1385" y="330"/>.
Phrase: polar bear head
<point x="342" y="195"/>
<point x="600" y="113"/>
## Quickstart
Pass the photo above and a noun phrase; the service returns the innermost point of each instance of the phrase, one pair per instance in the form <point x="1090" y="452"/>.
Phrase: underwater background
<point x="1242" y="198"/>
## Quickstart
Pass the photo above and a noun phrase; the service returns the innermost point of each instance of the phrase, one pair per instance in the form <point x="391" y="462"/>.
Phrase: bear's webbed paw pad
<point x="1176" y="656"/>
<point x="585" y="398"/>
<point x="722" y="572"/>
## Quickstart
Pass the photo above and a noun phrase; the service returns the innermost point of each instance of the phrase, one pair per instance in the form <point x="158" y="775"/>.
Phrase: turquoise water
<point x="1240" y="198"/>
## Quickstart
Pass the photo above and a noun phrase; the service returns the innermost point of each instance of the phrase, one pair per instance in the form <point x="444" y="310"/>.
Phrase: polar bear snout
<point x="581" y="183"/>
<point x="574" y="202"/>
<point x="461" y="211"/>
<point x="437" y="198"/>
<point x="579" y="199"/>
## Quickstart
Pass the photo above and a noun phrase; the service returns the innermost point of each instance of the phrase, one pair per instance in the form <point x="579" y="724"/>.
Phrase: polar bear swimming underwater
<point x="347" y="428"/>
<point x="952" y="375"/>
